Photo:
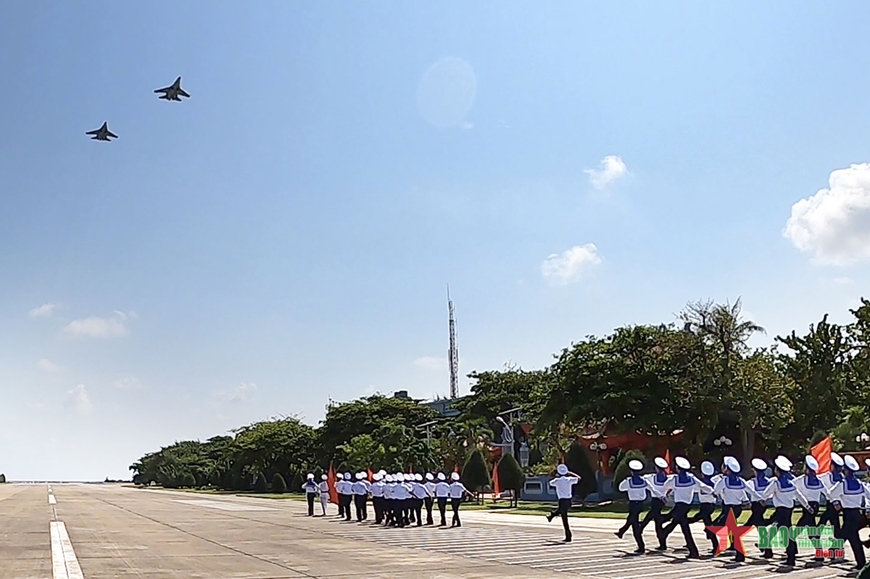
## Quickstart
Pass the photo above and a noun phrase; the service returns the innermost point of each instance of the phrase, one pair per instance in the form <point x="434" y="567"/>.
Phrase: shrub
<point x="296" y="483"/>
<point x="187" y="481"/>
<point x="260" y="485"/>
<point x="511" y="475"/>
<point x="622" y="471"/>
<point x="2" y="478"/>
<point x="278" y="484"/>
<point x="475" y="475"/>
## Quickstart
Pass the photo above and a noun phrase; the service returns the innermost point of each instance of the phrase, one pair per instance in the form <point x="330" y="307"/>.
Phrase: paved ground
<point x="109" y="531"/>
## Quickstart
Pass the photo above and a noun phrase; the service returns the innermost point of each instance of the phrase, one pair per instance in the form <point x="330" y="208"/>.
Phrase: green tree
<point x="2" y="478"/>
<point x="578" y="461"/>
<point x="511" y="476"/>
<point x="278" y="483"/>
<point x="363" y="451"/>
<point x="622" y="471"/>
<point x="187" y="481"/>
<point x="475" y="475"/>
<point x="296" y="483"/>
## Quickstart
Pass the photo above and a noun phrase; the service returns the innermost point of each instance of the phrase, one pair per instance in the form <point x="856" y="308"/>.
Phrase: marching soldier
<point x="442" y="493"/>
<point x="734" y="492"/>
<point x="564" y="485"/>
<point x="419" y="492"/>
<point x="311" y="491"/>
<point x="324" y="493"/>
<point x="684" y="486"/>
<point x="457" y="493"/>
<point x="389" y="502"/>
<point x="636" y="487"/>
<point x="339" y="489"/>
<point x="848" y="494"/>
<point x="378" y="497"/>
<point x="347" y="497"/>
<point x="657" y="480"/>
<point x="811" y="487"/>
<point x="430" y="491"/>
<point x="707" y="503"/>
<point x="758" y="484"/>
<point x="400" y="499"/>
<point x="831" y="515"/>
<point x="784" y="493"/>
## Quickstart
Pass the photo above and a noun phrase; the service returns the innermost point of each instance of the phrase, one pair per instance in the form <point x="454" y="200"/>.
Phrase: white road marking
<point x="64" y="564"/>
<point x="222" y="505"/>
<point x="52" y="500"/>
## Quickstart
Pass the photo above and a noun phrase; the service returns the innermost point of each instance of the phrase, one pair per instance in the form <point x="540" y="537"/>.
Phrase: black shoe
<point x="618" y="534"/>
<point x="693" y="556"/>
<point x="639" y="551"/>
<point x="566" y="540"/>
<point x="661" y="548"/>
<point x="549" y="518"/>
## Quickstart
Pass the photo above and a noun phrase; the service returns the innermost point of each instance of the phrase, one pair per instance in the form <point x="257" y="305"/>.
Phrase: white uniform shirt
<point x="811" y="489"/>
<point x="388" y="491"/>
<point x="457" y="490"/>
<point x="400" y="492"/>
<point x="637" y="490"/>
<point x="734" y="491"/>
<point x="378" y="489"/>
<point x="711" y="498"/>
<point x="358" y="488"/>
<point x="324" y="487"/>
<point x="829" y="480"/>
<point x="564" y="486"/>
<point x="758" y="486"/>
<point x="658" y="483"/>
<point x="430" y="488"/>
<point x="850" y="498"/>
<point x="684" y="491"/>
<point x="310" y="487"/>
<point x="442" y="489"/>
<point x="783" y="496"/>
<point x="419" y="491"/>
<point x="342" y="487"/>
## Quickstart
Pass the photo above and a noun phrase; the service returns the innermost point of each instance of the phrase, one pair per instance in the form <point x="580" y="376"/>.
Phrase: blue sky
<point x="286" y="234"/>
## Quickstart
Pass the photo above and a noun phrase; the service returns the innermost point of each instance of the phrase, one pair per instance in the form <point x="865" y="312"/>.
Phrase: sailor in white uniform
<point x="684" y="486"/>
<point x="430" y="491"/>
<point x="457" y="493"/>
<point x="831" y="516"/>
<point x="311" y="491"/>
<point x="811" y="487"/>
<point x="442" y="493"/>
<point x="784" y="495"/>
<point x="400" y="498"/>
<point x="637" y="488"/>
<point x="378" y="497"/>
<point x="564" y="484"/>
<point x="659" y="481"/>
<point x="419" y="493"/>
<point x="758" y="507"/>
<point x="707" y="503"/>
<point x="734" y="492"/>
<point x="852" y="495"/>
<point x="389" y="501"/>
<point x="347" y="496"/>
<point x="324" y="493"/>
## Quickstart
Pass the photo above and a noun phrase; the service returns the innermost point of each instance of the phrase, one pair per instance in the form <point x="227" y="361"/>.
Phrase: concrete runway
<point x="111" y="531"/>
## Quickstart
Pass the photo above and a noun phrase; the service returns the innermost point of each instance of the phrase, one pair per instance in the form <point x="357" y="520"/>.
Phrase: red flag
<point x="668" y="460"/>
<point x="822" y="453"/>
<point x="455" y="468"/>
<point x="371" y="475"/>
<point x="330" y="481"/>
<point x="496" y="486"/>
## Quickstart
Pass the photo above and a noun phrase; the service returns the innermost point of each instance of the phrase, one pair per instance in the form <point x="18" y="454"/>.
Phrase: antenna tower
<point x="453" y="352"/>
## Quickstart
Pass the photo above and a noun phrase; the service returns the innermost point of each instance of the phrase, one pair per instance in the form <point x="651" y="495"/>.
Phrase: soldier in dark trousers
<point x="442" y="493"/>
<point x="311" y="491"/>
<point x="430" y="491"/>
<point x="564" y="484"/>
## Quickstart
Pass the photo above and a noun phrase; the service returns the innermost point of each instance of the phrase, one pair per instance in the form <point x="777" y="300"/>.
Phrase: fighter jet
<point x="173" y="92"/>
<point x="102" y="134"/>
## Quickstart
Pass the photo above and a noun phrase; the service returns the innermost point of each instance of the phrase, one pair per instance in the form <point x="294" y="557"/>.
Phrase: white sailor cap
<point x="635" y="465"/>
<point x="441" y="476"/>
<point x="389" y="478"/>
<point x="851" y="463"/>
<point x="376" y="477"/>
<point x="359" y="476"/>
<point x="811" y="463"/>
<point x="707" y="468"/>
<point x="660" y="462"/>
<point x="347" y="475"/>
<point x="782" y="463"/>
<point x="454" y="476"/>
<point x="310" y="476"/>
<point x="429" y="476"/>
<point x="759" y="464"/>
<point x="382" y="472"/>
<point x="339" y="476"/>
<point x="418" y="477"/>
<point x="683" y="463"/>
<point x="562" y="469"/>
<point x="732" y="464"/>
<point x="837" y="459"/>
<point x="323" y="477"/>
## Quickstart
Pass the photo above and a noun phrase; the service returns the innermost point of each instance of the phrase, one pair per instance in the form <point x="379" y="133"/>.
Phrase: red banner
<point x="822" y="453"/>
<point x="330" y="480"/>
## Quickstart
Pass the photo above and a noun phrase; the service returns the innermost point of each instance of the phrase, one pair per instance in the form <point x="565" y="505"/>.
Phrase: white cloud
<point x="128" y="383"/>
<point x="43" y="311"/>
<point x="95" y="327"/>
<point x="612" y="169"/>
<point x="78" y="400"/>
<point x="431" y="363"/>
<point x="241" y="393"/>
<point x="47" y="365"/>
<point x="570" y="265"/>
<point x="834" y="224"/>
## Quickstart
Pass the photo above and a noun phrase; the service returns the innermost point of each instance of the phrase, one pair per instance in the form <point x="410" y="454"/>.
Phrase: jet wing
<point x="183" y="93"/>
<point x="94" y="132"/>
<point x="167" y="89"/>
<point x="111" y="134"/>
